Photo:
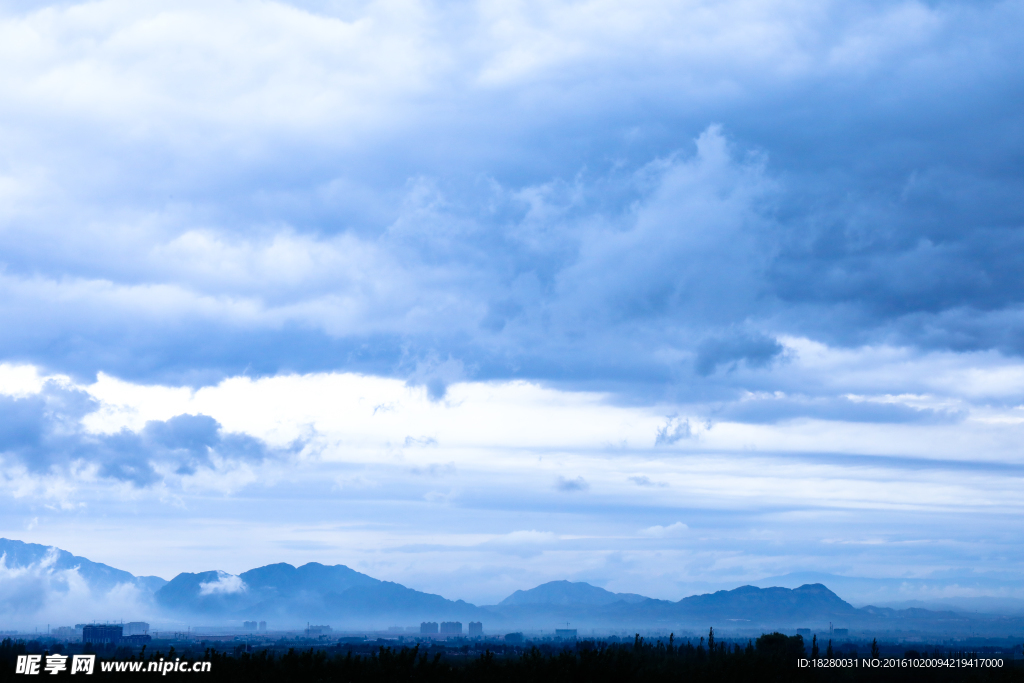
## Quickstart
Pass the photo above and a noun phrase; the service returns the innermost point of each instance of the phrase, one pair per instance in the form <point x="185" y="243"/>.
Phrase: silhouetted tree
<point x="779" y="647"/>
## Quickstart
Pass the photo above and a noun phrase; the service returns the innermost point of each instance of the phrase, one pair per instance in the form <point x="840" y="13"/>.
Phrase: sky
<point x="666" y="296"/>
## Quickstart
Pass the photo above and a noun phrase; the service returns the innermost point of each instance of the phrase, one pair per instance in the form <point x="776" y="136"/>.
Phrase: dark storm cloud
<point x="756" y="350"/>
<point x="645" y="213"/>
<point x="43" y="432"/>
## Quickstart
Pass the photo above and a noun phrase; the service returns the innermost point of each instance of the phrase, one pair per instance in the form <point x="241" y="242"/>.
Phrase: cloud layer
<point x="516" y="484"/>
<point x="44" y="434"/>
<point x="477" y="192"/>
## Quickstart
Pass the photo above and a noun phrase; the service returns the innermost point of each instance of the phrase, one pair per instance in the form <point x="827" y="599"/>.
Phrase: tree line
<point x="771" y="657"/>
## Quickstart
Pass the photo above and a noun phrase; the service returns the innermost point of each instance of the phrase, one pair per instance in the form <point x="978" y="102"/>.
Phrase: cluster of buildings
<point x="133" y="633"/>
<point x="476" y="628"/>
<point x="450" y="628"/>
<point x="260" y="627"/>
<point x="315" y="630"/>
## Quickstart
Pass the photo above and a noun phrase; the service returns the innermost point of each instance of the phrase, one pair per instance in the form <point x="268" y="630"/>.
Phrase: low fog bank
<point x="40" y="594"/>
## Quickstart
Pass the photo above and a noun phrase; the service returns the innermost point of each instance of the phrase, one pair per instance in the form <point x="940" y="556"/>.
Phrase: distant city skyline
<point x="666" y="298"/>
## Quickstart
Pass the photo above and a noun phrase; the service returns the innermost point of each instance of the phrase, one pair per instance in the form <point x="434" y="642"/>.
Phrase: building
<point x="102" y="633"/>
<point x="66" y="633"/>
<point x="805" y="632"/>
<point x="263" y="626"/>
<point x="136" y="628"/>
<point x="513" y="638"/>
<point x="451" y="628"/>
<point x="476" y="628"/>
<point x="428" y="627"/>
<point x="250" y="625"/>
<point x="844" y="632"/>
<point x="320" y="630"/>
<point x="565" y="633"/>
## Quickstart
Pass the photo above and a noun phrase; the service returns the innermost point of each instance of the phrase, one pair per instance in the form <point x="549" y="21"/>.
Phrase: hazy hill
<point x="285" y="580"/>
<point x="916" y="592"/>
<point x="745" y="607"/>
<point x="568" y="593"/>
<point x="313" y="592"/>
<point x="767" y="605"/>
<point x="290" y="596"/>
<point x="212" y="592"/>
<point x="983" y="605"/>
<point x="100" y="578"/>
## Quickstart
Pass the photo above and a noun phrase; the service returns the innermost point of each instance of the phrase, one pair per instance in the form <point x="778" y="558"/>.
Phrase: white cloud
<point x="225" y="583"/>
<point x="671" y="531"/>
<point x="20" y="380"/>
<point x="531" y="537"/>
<point x="40" y="593"/>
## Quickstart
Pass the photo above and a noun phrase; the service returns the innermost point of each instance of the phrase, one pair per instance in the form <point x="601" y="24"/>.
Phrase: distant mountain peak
<point x="565" y="593"/>
<point x="774" y="605"/>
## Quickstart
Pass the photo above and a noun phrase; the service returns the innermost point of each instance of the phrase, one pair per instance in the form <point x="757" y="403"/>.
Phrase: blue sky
<point x="665" y="296"/>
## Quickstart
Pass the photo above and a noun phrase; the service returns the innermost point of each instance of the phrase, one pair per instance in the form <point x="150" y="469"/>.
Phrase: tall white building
<point x="136" y="628"/>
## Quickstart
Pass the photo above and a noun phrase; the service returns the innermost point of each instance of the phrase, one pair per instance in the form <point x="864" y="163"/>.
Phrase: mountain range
<point x="99" y="576"/>
<point x="563" y="593"/>
<point x="313" y="591"/>
<point x="288" y="596"/>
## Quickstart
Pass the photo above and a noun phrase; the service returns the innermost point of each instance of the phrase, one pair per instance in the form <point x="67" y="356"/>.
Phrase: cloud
<point x="570" y="485"/>
<point x="524" y="544"/>
<point x="580" y="241"/>
<point x="435" y="469"/>
<point x="674" y="430"/>
<point x="40" y="591"/>
<point x="671" y="531"/>
<point x="524" y="537"/>
<point x="225" y="584"/>
<point x="421" y="442"/>
<point x="775" y="408"/>
<point x="644" y="480"/>
<point x="436" y="375"/>
<point x="44" y="432"/>
<point x="755" y="350"/>
<point x="391" y="292"/>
